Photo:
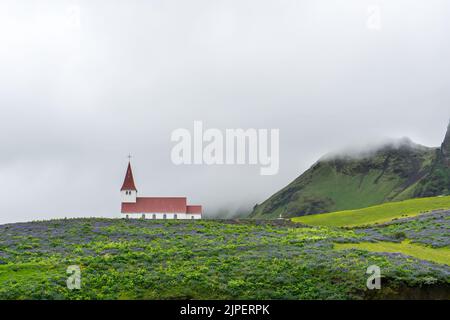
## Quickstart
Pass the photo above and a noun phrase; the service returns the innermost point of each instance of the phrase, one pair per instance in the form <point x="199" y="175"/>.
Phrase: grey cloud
<point x="76" y="99"/>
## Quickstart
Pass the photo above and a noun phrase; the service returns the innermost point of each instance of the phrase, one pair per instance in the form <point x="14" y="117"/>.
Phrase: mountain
<point x="437" y="182"/>
<point x="394" y="171"/>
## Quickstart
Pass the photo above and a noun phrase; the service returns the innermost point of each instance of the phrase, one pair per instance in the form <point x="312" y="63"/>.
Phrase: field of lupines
<point x="216" y="259"/>
<point x="432" y="229"/>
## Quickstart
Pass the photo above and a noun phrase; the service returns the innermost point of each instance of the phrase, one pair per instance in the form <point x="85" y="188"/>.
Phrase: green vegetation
<point x="438" y="181"/>
<point x="216" y="259"/>
<point x="376" y="214"/>
<point x="439" y="255"/>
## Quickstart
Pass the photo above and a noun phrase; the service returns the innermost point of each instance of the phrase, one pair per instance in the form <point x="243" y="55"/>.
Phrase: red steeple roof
<point x="128" y="183"/>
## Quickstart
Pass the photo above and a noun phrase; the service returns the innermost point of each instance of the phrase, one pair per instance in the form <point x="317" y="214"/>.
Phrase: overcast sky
<point x="85" y="83"/>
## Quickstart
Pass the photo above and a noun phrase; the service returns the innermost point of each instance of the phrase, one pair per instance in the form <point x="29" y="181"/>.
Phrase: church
<point x="154" y="207"/>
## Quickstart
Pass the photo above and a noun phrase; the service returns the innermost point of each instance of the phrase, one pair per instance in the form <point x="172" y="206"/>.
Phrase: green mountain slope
<point x="394" y="172"/>
<point x="438" y="181"/>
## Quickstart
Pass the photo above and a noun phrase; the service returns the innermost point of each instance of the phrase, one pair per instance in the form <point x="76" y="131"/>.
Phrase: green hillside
<point x="376" y="214"/>
<point x="392" y="172"/>
<point x="439" y="255"/>
<point x="438" y="181"/>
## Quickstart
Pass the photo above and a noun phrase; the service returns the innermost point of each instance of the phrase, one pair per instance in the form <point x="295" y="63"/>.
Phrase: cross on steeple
<point x="129" y="157"/>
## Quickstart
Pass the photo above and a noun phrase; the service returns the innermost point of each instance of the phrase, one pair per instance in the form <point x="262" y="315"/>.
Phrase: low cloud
<point x="368" y="149"/>
<point x="85" y="83"/>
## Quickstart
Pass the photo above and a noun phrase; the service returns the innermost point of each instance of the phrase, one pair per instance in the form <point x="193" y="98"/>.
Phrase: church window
<point x="175" y="216"/>
<point x="164" y="216"/>
<point x="143" y="216"/>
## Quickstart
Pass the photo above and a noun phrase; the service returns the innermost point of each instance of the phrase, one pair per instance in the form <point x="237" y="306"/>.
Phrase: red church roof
<point x="128" y="183"/>
<point x="156" y="205"/>
<point x="194" y="209"/>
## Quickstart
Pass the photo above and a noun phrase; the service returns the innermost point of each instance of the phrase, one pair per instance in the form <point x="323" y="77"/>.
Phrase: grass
<point x="439" y="255"/>
<point x="376" y="214"/>
<point x="203" y="259"/>
<point x="24" y="270"/>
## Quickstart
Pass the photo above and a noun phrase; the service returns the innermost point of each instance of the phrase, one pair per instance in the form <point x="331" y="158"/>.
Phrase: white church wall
<point x="162" y="216"/>
<point x="128" y="196"/>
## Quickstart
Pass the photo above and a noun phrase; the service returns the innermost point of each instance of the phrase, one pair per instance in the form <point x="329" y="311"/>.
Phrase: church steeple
<point x="128" y="190"/>
<point x="128" y="182"/>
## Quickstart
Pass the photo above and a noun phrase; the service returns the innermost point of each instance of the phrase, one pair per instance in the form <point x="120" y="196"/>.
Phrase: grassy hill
<point x="376" y="214"/>
<point x="440" y="255"/>
<point x="392" y="172"/>
<point x="219" y="259"/>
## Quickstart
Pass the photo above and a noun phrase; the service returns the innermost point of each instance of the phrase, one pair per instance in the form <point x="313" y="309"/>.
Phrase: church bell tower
<point x="128" y="191"/>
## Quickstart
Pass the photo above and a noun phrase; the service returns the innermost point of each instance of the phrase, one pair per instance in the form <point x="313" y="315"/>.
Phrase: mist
<point x="370" y="148"/>
<point x="85" y="83"/>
